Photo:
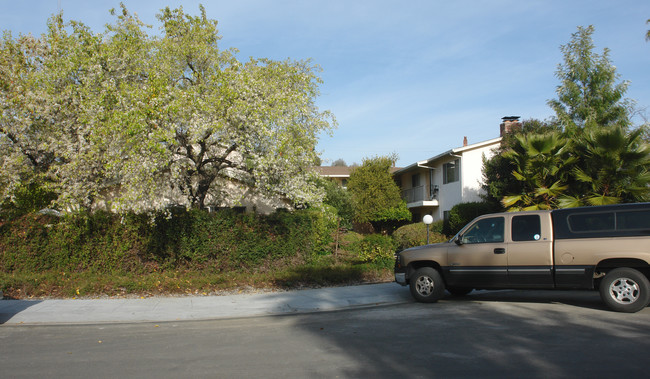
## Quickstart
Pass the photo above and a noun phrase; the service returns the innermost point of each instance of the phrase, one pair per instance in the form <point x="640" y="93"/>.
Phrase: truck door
<point x="530" y="253"/>
<point x="479" y="261"/>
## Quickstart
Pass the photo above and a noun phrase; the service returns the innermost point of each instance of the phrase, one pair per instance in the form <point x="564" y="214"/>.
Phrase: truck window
<point x="591" y="222"/>
<point x="485" y="230"/>
<point x="633" y="220"/>
<point x="526" y="228"/>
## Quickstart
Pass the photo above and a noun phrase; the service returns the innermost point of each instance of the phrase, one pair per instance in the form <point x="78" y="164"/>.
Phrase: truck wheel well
<point x="413" y="266"/>
<point x="607" y="265"/>
<point x="419" y="264"/>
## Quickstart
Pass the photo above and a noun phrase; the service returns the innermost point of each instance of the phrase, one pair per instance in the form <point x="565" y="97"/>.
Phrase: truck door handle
<point x="499" y="250"/>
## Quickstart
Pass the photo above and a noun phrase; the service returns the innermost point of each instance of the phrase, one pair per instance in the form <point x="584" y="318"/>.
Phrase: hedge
<point x="105" y="242"/>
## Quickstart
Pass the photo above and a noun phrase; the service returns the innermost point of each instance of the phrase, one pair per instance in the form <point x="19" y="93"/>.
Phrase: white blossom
<point x="129" y="121"/>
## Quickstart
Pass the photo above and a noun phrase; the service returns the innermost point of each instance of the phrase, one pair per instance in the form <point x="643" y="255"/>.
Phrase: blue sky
<point x="406" y="77"/>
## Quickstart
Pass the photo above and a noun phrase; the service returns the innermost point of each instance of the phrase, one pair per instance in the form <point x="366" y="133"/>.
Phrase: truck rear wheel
<point x="625" y="290"/>
<point x="427" y="285"/>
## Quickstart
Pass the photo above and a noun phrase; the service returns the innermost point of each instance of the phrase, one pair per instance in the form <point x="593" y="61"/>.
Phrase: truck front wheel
<point x="625" y="290"/>
<point x="427" y="285"/>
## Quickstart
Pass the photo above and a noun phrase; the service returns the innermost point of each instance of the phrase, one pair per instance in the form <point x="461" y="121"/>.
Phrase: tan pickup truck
<point x="604" y="247"/>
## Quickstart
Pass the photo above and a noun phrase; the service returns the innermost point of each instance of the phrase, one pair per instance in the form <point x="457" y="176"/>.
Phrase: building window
<point x="451" y="172"/>
<point x="415" y="180"/>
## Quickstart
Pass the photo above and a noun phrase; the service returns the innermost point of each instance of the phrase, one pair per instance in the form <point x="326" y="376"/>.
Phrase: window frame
<point x="537" y="226"/>
<point x="573" y="225"/>
<point x="453" y="167"/>
<point x="415" y="180"/>
<point x="471" y="227"/>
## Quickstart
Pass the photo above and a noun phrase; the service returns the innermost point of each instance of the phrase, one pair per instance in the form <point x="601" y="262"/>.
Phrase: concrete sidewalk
<point x="159" y="309"/>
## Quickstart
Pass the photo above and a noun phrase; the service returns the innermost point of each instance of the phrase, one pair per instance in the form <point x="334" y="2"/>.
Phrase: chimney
<point x="464" y="141"/>
<point x="509" y="124"/>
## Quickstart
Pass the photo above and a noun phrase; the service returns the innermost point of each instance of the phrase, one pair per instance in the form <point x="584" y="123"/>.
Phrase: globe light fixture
<point x="428" y="220"/>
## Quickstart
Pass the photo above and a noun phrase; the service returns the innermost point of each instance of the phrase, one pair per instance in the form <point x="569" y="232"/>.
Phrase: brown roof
<point x="341" y="171"/>
<point x="336" y="171"/>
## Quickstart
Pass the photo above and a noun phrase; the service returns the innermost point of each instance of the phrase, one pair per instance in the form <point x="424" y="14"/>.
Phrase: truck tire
<point x="427" y="285"/>
<point x="625" y="290"/>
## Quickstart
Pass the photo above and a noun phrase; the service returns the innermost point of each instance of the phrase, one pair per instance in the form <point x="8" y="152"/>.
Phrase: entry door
<point x="480" y="261"/>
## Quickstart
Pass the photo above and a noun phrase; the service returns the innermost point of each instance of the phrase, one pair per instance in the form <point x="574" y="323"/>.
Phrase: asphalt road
<point x="495" y="334"/>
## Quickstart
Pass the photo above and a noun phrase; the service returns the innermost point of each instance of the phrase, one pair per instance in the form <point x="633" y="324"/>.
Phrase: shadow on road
<point x="582" y="299"/>
<point x="492" y="334"/>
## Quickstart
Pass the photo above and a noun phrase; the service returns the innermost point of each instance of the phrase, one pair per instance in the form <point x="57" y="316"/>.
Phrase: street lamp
<point x="428" y="220"/>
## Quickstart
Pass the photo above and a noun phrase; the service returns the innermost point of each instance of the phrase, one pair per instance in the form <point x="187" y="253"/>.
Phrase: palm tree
<point x="613" y="167"/>
<point x="541" y="164"/>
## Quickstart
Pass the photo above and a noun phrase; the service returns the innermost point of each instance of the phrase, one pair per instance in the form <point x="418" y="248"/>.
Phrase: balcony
<point x="419" y="197"/>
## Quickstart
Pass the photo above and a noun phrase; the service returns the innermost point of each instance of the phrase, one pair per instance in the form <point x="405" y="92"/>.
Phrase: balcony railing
<point x="415" y="194"/>
<point x="412" y="195"/>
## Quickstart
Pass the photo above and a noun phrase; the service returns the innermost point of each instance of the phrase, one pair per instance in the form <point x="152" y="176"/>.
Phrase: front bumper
<point x="400" y="278"/>
<point x="400" y="271"/>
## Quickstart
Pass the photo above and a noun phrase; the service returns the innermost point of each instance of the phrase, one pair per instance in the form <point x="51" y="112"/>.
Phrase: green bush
<point x="461" y="214"/>
<point x="416" y="235"/>
<point x="375" y="196"/>
<point x="376" y="248"/>
<point x="229" y="239"/>
<point x="339" y="198"/>
<point x="26" y="198"/>
<point x="104" y="242"/>
<point x="349" y="242"/>
<point x="324" y="225"/>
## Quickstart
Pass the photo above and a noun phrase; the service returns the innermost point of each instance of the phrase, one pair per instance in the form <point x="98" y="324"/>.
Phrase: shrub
<point x="375" y="196"/>
<point x="98" y="241"/>
<point x="231" y="240"/>
<point x="376" y="248"/>
<point x="461" y="214"/>
<point x="339" y="198"/>
<point x="26" y="198"/>
<point x="324" y="225"/>
<point x="416" y="235"/>
<point x="104" y="242"/>
<point x="349" y="243"/>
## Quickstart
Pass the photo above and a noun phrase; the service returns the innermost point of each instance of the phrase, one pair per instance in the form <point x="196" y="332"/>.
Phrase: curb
<point x="177" y="309"/>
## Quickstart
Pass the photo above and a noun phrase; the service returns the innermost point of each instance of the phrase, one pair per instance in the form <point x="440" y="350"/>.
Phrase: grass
<point x="58" y="284"/>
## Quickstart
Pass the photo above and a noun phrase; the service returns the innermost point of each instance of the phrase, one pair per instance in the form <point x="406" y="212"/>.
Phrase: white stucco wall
<point x="468" y="188"/>
<point x="450" y="193"/>
<point x="472" y="172"/>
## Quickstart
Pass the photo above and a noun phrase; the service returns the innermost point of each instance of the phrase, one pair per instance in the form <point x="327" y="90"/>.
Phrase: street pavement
<point x="185" y="308"/>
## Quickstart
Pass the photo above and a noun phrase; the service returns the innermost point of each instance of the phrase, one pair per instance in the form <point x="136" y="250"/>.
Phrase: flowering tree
<point x="142" y="120"/>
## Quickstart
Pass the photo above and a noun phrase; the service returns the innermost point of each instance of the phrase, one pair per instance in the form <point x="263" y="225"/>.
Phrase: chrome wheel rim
<point x="424" y="285"/>
<point x="624" y="290"/>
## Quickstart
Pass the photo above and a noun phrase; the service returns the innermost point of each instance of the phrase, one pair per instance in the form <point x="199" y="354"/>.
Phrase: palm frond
<point x="598" y="199"/>
<point x="510" y="201"/>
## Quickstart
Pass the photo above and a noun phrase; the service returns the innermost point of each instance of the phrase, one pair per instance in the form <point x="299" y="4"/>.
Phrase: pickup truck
<point x="605" y="248"/>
